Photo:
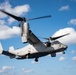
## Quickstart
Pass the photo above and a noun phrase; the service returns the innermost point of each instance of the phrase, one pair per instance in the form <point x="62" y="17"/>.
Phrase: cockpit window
<point x="48" y="44"/>
<point x="55" y="42"/>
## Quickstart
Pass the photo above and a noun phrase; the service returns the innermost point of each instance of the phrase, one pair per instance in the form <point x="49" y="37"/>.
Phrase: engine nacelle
<point x="25" y="32"/>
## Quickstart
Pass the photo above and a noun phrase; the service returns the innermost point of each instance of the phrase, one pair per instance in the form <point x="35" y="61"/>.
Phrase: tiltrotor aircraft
<point x="36" y="48"/>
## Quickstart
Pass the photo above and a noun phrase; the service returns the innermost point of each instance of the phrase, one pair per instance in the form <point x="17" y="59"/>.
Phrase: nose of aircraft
<point x="65" y="47"/>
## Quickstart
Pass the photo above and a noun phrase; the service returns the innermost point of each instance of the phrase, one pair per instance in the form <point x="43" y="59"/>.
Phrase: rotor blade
<point x="39" y="17"/>
<point x="54" y="38"/>
<point x="13" y="16"/>
<point x="46" y="38"/>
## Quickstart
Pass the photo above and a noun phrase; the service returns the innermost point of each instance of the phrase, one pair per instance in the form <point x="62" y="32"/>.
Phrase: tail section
<point x="10" y="54"/>
<point x="1" y="48"/>
<point x="11" y="49"/>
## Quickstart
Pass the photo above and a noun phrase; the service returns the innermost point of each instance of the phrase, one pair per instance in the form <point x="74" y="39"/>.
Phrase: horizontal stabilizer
<point x="6" y="52"/>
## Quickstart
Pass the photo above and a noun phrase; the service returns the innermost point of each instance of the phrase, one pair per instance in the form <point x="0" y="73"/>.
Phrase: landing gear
<point x="53" y="55"/>
<point x="63" y="52"/>
<point x="36" y="59"/>
<point x="28" y="55"/>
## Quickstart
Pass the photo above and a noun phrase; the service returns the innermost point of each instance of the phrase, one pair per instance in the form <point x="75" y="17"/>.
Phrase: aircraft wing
<point x="32" y="39"/>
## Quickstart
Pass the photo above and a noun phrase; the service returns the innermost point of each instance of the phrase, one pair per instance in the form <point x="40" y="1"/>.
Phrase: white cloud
<point x="4" y="6"/>
<point x="64" y="8"/>
<point x="2" y="22"/>
<point x="7" y="32"/>
<point x="69" y="39"/>
<point x="74" y="58"/>
<point x="6" y="68"/>
<point x="18" y="10"/>
<point x="26" y="70"/>
<point x="59" y="53"/>
<point x="34" y="62"/>
<point x="72" y="21"/>
<point x="11" y="20"/>
<point x="62" y="58"/>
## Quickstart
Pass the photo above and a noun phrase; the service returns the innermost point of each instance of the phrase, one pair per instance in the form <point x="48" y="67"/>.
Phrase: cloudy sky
<point x="63" y="21"/>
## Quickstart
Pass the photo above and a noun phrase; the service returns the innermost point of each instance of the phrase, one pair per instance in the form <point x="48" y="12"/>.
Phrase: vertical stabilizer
<point x="1" y="48"/>
<point x="11" y="49"/>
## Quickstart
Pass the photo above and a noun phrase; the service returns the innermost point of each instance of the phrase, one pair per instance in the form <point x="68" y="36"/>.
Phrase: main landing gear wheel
<point x="36" y="59"/>
<point x="63" y="52"/>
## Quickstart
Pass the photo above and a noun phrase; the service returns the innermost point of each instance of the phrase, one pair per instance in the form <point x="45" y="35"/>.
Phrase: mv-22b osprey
<point x="36" y="47"/>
